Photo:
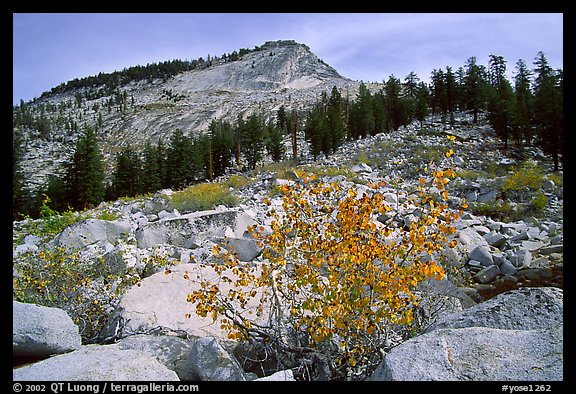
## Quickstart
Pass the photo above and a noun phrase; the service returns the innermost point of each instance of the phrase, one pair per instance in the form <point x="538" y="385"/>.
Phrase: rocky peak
<point x="274" y="66"/>
<point x="278" y="73"/>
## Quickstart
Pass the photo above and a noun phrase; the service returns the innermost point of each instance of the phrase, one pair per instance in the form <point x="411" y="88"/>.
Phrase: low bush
<point x="527" y="176"/>
<point x="202" y="196"/>
<point x="338" y="274"/>
<point x="61" y="278"/>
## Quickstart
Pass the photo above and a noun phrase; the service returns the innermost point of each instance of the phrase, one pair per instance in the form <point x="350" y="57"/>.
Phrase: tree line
<point x="104" y="84"/>
<point x="184" y="160"/>
<point x="528" y="112"/>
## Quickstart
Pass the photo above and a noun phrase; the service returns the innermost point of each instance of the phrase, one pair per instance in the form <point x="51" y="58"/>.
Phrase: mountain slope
<point x="278" y="73"/>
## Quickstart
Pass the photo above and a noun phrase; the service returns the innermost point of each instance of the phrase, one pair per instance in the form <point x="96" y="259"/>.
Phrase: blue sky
<point x="52" y="48"/>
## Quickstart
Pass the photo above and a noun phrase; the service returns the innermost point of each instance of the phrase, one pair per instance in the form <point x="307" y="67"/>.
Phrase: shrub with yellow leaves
<point x="337" y="275"/>
<point x="62" y="278"/>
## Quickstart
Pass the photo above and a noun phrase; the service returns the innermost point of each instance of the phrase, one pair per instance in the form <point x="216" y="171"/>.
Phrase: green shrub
<point x="527" y="175"/>
<point x="496" y="210"/>
<point x="110" y="216"/>
<point x="237" y="181"/>
<point x="61" y="278"/>
<point x="87" y="290"/>
<point x="52" y="222"/>
<point x="557" y="179"/>
<point x="539" y="202"/>
<point x="202" y="196"/>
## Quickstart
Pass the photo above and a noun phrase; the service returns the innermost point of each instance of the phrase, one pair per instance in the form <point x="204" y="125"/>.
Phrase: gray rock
<point x="184" y="229"/>
<point x="92" y="231"/>
<point x="471" y="239"/>
<point x="487" y="274"/>
<point x="96" y="363"/>
<point x="518" y="227"/>
<point x="211" y="362"/>
<point x="472" y="196"/>
<point x="475" y="264"/>
<point x="24" y="248"/>
<point x="483" y="255"/>
<point x="280" y="376"/>
<point x="523" y="236"/>
<point x="535" y="273"/>
<point x="247" y="249"/>
<point x="527" y="308"/>
<point x="171" y="351"/>
<point x="532" y="245"/>
<point x="482" y="230"/>
<point x="522" y="258"/>
<point x="163" y="214"/>
<point x="556" y="240"/>
<point x="161" y="300"/>
<point x="548" y="185"/>
<point x="477" y="353"/>
<point x="553" y="229"/>
<point x="507" y="268"/>
<point x="552" y="249"/>
<point x="42" y="331"/>
<point x="487" y="197"/>
<point x="360" y="168"/>
<point x="495" y="239"/>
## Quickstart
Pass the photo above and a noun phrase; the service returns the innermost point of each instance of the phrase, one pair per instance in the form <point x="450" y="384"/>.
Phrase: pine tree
<point x="274" y="143"/>
<point x="475" y="87"/>
<point x="179" y="166"/>
<point x="221" y="136"/>
<point x="451" y="89"/>
<point x="282" y="121"/>
<point x="84" y="177"/>
<point x="410" y="87"/>
<point x="422" y="98"/>
<point x="335" y="120"/>
<point x="253" y="140"/>
<point x="381" y="121"/>
<point x="151" y="177"/>
<point x="294" y="133"/>
<point x="366" y="112"/>
<point x="523" y="102"/>
<point x="21" y="196"/>
<point x="202" y="157"/>
<point x="238" y="132"/>
<point x="396" y="111"/>
<point x="548" y="107"/>
<point x="161" y="153"/>
<point x="501" y="101"/>
<point x="127" y="174"/>
<point x="316" y="131"/>
<point x="438" y="92"/>
<point x="411" y="84"/>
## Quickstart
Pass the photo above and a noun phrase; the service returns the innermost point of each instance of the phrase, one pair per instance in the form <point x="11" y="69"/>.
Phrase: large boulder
<point x="281" y="376"/>
<point x="172" y="351"/>
<point x="246" y="249"/>
<point x="516" y="335"/>
<point x="92" y="231"/>
<point x="42" y="331"/>
<point x="527" y="308"/>
<point x="161" y="300"/>
<point x="211" y="362"/>
<point x="192" y="228"/>
<point x="477" y="353"/>
<point x="470" y="238"/>
<point x="96" y="363"/>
